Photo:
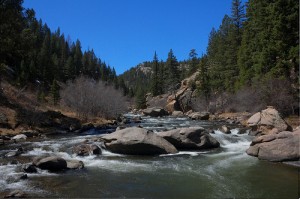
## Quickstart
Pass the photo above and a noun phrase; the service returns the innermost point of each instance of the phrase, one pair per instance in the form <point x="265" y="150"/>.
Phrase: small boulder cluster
<point x="275" y="140"/>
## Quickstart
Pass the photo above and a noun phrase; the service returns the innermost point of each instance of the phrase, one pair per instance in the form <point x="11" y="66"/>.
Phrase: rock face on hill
<point x="137" y="141"/>
<point x="268" y="121"/>
<point x="283" y="146"/>
<point x="190" y="138"/>
<point x="178" y="100"/>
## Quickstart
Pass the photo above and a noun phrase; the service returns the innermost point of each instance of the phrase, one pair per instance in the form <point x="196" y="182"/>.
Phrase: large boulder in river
<point x="137" y="141"/>
<point x="193" y="138"/>
<point x="155" y="112"/>
<point x="51" y="163"/>
<point x="268" y="121"/>
<point x="87" y="149"/>
<point x="283" y="146"/>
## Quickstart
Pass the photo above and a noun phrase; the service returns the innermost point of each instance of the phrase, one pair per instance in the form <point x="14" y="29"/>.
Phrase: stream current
<point x="226" y="172"/>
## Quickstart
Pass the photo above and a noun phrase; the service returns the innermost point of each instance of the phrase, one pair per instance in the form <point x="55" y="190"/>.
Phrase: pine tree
<point x="204" y="87"/>
<point x="193" y="62"/>
<point x="238" y="17"/>
<point x="54" y="91"/>
<point x="77" y="58"/>
<point x="155" y="84"/>
<point x="173" y="76"/>
<point x="69" y="70"/>
<point x="140" y="98"/>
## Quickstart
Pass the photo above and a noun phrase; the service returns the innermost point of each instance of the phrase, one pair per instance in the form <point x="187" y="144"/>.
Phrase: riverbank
<point x="226" y="171"/>
<point x="22" y="113"/>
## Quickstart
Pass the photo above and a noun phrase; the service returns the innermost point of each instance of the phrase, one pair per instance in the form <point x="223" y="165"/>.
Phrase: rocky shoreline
<point x="273" y="139"/>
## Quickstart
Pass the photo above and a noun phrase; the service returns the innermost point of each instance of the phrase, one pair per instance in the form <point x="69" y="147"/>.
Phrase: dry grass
<point x="22" y="97"/>
<point x="293" y="121"/>
<point x="10" y="114"/>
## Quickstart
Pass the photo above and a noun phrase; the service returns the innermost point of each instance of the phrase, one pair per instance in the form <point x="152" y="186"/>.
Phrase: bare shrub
<point x="247" y="99"/>
<point x="275" y="92"/>
<point x="215" y="103"/>
<point x="91" y="98"/>
<point x="199" y="104"/>
<point x="280" y="94"/>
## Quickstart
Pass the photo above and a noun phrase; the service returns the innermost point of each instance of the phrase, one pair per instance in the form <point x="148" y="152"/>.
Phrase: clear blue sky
<point x="125" y="33"/>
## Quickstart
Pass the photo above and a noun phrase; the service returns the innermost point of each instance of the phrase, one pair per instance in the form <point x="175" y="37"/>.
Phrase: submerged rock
<point x="225" y="129"/>
<point x="51" y="163"/>
<point x="16" y="194"/>
<point x="283" y="146"/>
<point x="243" y="131"/>
<point x="75" y="164"/>
<point x="16" y="178"/>
<point x="137" y="141"/>
<point x="29" y="168"/>
<point x="14" y="153"/>
<point x="87" y="149"/>
<point x="190" y="138"/>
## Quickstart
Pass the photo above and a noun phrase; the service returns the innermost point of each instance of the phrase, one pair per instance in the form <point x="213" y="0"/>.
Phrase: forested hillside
<point x="32" y="54"/>
<point x="158" y="76"/>
<point x="252" y="59"/>
<point x="255" y="55"/>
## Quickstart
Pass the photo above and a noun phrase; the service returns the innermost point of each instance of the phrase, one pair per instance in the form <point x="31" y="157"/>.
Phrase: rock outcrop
<point x="190" y="138"/>
<point x="137" y="141"/>
<point x="268" y="121"/>
<point x="283" y="146"/>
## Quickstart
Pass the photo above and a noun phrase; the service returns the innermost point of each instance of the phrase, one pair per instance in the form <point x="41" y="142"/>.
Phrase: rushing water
<point x="227" y="172"/>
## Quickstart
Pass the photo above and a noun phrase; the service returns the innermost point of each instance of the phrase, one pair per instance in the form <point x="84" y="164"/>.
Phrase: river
<point x="227" y="172"/>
